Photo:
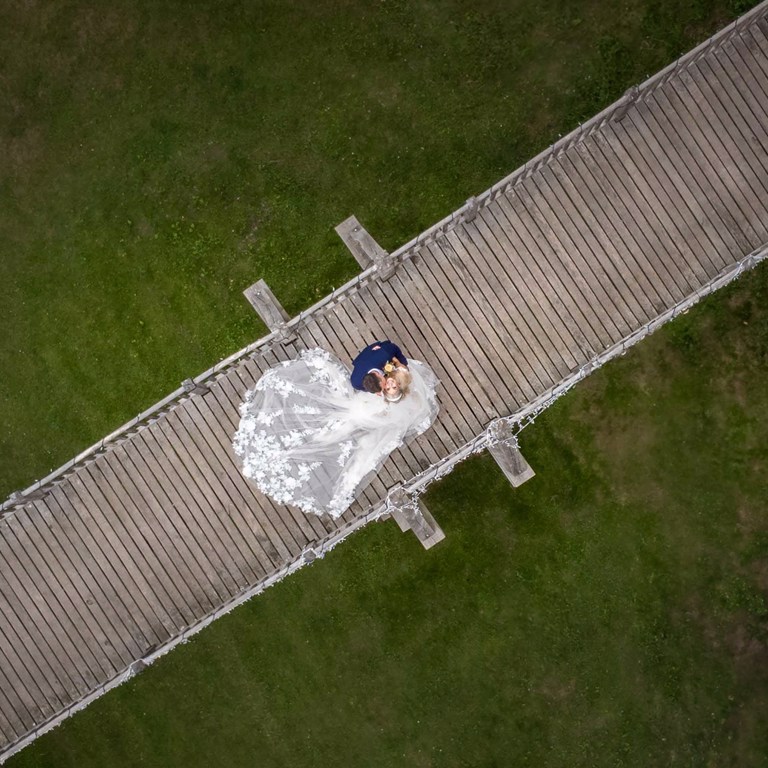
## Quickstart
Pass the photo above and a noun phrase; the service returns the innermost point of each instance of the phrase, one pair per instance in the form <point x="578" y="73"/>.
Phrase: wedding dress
<point x="307" y="438"/>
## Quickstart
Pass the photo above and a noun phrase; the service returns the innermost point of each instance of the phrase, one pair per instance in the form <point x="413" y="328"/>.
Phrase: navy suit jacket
<point x="374" y="358"/>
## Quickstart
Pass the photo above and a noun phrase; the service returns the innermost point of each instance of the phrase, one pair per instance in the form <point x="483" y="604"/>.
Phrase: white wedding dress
<point x="307" y="438"/>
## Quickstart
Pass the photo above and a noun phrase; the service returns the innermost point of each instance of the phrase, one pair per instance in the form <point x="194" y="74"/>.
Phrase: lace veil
<point x="307" y="438"/>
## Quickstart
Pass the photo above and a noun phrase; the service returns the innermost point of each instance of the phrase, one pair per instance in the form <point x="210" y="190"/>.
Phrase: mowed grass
<point x="160" y="158"/>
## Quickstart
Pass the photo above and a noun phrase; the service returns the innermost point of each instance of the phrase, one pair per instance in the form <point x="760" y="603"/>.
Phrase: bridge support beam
<point x="269" y="309"/>
<point x="364" y="248"/>
<point x="505" y="450"/>
<point x="410" y="513"/>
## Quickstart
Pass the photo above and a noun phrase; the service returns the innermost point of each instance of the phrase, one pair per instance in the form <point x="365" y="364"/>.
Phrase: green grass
<point x="160" y="158"/>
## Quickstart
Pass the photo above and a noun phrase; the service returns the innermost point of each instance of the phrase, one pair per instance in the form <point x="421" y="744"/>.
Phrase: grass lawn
<point x="162" y="156"/>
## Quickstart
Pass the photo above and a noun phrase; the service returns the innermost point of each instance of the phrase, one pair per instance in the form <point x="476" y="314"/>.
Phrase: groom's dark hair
<point x="371" y="383"/>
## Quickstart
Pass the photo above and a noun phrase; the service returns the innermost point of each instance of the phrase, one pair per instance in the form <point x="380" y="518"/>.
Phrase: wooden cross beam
<point x="506" y="452"/>
<point x="364" y="248"/>
<point x="269" y="309"/>
<point x="410" y="513"/>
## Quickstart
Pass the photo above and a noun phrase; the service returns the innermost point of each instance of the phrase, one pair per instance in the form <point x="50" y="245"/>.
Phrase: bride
<point x="307" y="438"/>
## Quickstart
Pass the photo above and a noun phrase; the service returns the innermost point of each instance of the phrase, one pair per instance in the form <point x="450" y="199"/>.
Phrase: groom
<point x="368" y="366"/>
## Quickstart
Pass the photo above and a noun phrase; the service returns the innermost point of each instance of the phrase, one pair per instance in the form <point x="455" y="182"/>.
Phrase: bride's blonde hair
<point x="403" y="377"/>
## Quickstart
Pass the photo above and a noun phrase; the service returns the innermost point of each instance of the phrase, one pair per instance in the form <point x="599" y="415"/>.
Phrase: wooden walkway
<point x="153" y="532"/>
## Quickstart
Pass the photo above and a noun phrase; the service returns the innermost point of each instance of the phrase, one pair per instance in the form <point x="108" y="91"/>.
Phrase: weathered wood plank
<point x="675" y="216"/>
<point x="483" y="303"/>
<point x="88" y="591"/>
<point x="715" y="177"/>
<point x="572" y="294"/>
<point x="462" y="305"/>
<point x="152" y="446"/>
<point x="170" y="511"/>
<point x="123" y="533"/>
<point x="519" y="329"/>
<point x="151" y="546"/>
<point x="588" y="274"/>
<point x="90" y="661"/>
<point x="627" y="228"/>
<point x="251" y="515"/>
<point x="215" y="483"/>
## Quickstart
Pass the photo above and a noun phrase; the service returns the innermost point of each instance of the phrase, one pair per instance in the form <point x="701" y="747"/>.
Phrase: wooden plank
<point x="499" y="324"/>
<point x="134" y="582"/>
<point x="528" y="320"/>
<point x="627" y="228"/>
<point x="573" y="294"/>
<point x="88" y="591"/>
<point x="626" y="293"/>
<point x="159" y="538"/>
<point x="282" y="540"/>
<point x="11" y="727"/>
<point x="720" y="166"/>
<point x="36" y="682"/>
<point x="553" y="317"/>
<point x="255" y="562"/>
<point x="33" y="642"/>
<point x="663" y="139"/>
<point x="658" y="148"/>
<point x="120" y="530"/>
<point x="583" y="271"/>
<point x="677" y="218"/>
<point x="269" y="309"/>
<point x="35" y="610"/>
<point x="718" y="171"/>
<point x="755" y="37"/>
<point x="652" y="282"/>
<point x="521" y="261"/>
<point x="737" y="63"/>
<point x="231" y="479"/>
<point x="20" y="686"/>
<point x="520" y="329"/>
<point x="152" y="445"/>
<point x="362" y="246"/>
<point x="754" y="78"/>
<point x="457" y="304"/>
<point x="453" y="336"/>
<point x="745" y="135"/>
<point x="168" y="507"/>
<point x="192" y="462"/>
<point x="118" y="590"/>
<point x="174" y="458"/>
<point x="76" y="622"/>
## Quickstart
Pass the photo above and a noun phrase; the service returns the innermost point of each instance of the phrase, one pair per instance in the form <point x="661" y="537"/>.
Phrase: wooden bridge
<point x="152" y="533"/>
